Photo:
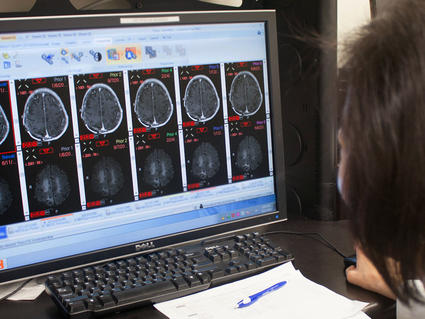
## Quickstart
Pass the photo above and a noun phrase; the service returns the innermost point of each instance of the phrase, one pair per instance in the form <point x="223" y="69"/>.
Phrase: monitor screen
<point x="124" y="133"/>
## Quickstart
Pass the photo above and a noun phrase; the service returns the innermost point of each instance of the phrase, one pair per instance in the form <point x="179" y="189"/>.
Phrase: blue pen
<point x="253" y="298"/>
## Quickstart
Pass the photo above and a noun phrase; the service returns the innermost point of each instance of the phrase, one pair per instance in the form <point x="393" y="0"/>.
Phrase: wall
<point x="351" y="14"/>
<point x="16" y="6"/>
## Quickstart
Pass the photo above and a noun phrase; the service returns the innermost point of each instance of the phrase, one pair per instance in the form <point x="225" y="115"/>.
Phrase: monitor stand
<point x="43" y="7"/>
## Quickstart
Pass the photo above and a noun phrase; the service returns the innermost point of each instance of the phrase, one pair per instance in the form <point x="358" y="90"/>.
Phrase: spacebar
<point x="144" y="292"/>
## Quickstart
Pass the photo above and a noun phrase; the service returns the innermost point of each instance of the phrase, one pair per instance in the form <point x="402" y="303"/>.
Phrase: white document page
<point x="300" y="298"/>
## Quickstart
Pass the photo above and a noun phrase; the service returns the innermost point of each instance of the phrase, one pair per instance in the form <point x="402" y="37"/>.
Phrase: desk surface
<point x="316" y="261"/>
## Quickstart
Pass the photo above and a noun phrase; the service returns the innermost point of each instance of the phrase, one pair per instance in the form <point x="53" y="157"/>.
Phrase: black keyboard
<point x="163" y="275"/>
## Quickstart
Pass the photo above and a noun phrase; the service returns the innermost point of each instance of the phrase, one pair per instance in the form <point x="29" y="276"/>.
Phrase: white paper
<point x="360" y="315"/>
<point x="30" y="291"/>
<point x="300" y="298"/>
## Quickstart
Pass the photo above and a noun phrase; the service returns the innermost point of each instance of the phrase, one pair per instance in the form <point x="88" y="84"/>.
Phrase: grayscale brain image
<point x="201" y="99"/>
<point x="52" y="186"/>
<point x="44" y="117"/>
<point x="6" y="197"/>
<point x="107" y="178"/>
<point x="153" y="104"/>
<point x="4" y="125"/>
<point x="249" y="155"/>
<point x="205" y="161"/>
<point x="101" y="110"/>
<point x="158" y="170"/>
<point x="245" y="94"/>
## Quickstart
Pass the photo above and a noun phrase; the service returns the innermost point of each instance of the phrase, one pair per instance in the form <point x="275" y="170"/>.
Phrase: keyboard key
<point x="192" y="254"/>
<point x="266" y="261"/>
<point x="280" y="258"/>
<point x="93" y="304"/>
<point x="241" y="268"/>
<point x="192" y="280"/>
<point x="141" y="260"/>
<point x="111" y="266"/>
<point x="160" y="262"/>
<point x="233" y="253"/>
<point x="250" y="265"/>
<point x="63" y="291"/>
<point x="67" y="299"/>
<point x="216" y="273"/>
<point x="68" y="282"/>
<point x="150" y="265"/>
<point x="234" y="262"/>
<point x="206" y="268"/>
<point x="76" y="306"/>
<point x="132" y="262"/>
<point x="201" y="260"/>
<point x="254" y="258"/>
<point x="78" y="273"/>
<point x="144" y="293"/>
<point x="178" y="259"/>
<point x="67" y="274"/>
<point x="203" y="277"/>
<point x="215" y="258"/>
<point x="168" y="276"/>
<point x="181" y="283"/>
<point x="231" y="270"/>
<point x="57" y="283"/>
<point x="172" y="252"/>
<point x="188" y="263"/>
<point x="245" y="251"/>
<point x="107" y="301"/>
<point x="162" y="255"/>
<point x="225" y="256"/>
<point x="78" y="298"/>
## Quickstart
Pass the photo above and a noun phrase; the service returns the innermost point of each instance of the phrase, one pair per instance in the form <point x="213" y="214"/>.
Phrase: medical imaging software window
<point x="101" y="130"/>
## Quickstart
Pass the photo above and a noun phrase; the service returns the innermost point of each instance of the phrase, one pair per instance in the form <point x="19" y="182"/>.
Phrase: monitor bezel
<point x="69" y="22"/>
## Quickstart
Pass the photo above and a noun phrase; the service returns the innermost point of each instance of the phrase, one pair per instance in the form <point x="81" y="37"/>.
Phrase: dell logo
<point x="144" y="246"/>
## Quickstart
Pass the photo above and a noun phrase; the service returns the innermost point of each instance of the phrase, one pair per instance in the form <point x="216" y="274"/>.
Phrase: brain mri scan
<point x="158" y="169"/>
<point x="107" y="178"/>
<point x="245" y="94"/>
<point x="153" y="105"/>
<point x="45" y="118"/>
<point x="205" y="161"/>
<point x="248" y="155"/>
<point x="6" y="197"/>
<point x="4" y="126"/>
<point x="52" y="186"/>
<point x="101" y="110"/>
<point x="201" y="99"/>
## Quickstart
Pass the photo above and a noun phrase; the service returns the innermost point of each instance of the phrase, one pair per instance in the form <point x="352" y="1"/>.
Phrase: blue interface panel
<point x="112" y="136"/>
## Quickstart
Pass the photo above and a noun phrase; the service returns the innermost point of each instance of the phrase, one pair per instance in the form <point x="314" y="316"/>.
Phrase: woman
<point x="382" y="168"/>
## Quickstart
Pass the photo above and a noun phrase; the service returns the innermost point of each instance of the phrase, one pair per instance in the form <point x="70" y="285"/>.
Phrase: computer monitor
<point x="127" y="133"/>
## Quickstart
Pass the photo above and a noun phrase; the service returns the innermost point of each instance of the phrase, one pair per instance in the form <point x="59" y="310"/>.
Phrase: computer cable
<point x="312" y="235"/>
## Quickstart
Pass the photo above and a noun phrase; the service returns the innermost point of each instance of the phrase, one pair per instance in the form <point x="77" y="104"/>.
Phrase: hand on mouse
<point x="365" y="275"/>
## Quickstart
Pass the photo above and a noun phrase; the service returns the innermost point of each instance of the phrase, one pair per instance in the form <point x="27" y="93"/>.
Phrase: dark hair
<point x="383" y="132"/>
